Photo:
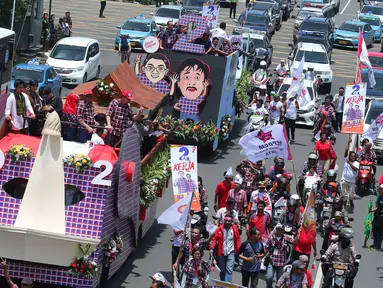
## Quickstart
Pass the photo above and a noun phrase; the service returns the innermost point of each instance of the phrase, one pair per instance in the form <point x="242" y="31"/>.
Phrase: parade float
<point x="72" y="213"/>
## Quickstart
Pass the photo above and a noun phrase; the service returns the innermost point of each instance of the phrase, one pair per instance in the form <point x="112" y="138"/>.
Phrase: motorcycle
<point x="326" y="213"/>
<point x="311" y="183"/>
<point x="365" y="178"/>
<point x="339" y="273"/>
<point x="280" y="76"/>
<point x="257" y="55"/>
<point x="260" y="77"/>
<point x="254" y="121"/>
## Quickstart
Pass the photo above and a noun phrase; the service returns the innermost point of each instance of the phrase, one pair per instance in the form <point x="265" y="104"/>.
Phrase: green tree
<point x="6" y="12"/>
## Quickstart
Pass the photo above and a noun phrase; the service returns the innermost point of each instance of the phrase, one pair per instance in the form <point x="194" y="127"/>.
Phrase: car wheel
<point x="85" y="78"/>
<point x="98" y="72"/>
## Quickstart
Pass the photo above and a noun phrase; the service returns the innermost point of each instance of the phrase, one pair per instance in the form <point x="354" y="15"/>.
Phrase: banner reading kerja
<point x="353" y="110"/>
<point x="184" y="173"/>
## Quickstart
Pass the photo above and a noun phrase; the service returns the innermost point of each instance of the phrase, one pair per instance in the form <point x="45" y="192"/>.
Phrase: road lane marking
<point x="318" y="277"/>
<point x="345" y="7"/>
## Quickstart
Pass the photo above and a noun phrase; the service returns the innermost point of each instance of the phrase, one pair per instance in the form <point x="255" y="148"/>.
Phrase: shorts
<point x="348" y="189"/>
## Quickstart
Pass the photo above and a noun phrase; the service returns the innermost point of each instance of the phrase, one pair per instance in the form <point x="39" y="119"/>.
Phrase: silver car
<point x="167" y="13"/>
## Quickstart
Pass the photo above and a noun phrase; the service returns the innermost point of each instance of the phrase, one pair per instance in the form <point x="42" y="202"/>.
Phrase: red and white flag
<point x="363" y="58"/>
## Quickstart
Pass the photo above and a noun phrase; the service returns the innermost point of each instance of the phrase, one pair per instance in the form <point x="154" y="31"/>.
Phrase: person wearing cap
<point x="281" y="68"/>
<point x="295" y="277"/>
<point x="290" y="108"/>
<point x="229" y="209"/>
<point x="276" y="110"/>
<point x="195" y="272"/>
<point x="222" y="190"/>
<point x="339" y="106"/>
<point x="239" y="195"/>
<point x="228" y="240"/>
<point x="25" y="283"/>
<point x="251" y="252"/>
<point x="276" y="249"/>
<point x="377" y="223"/>
<point x="305" y="261"/>
<point x="85" y="116"/>
<point x="259" y="195"/>
<point x="119" y="116"/>
<point x="350" y="172"/>
<point x="158" y="281"/>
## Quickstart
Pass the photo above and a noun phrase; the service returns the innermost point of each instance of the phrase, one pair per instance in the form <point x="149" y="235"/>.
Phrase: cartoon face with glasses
<point x="153" y="72"/>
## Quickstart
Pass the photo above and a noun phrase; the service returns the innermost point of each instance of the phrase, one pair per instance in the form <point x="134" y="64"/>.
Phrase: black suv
<point x="314" y="25"/>
<point x="275" y="11"/>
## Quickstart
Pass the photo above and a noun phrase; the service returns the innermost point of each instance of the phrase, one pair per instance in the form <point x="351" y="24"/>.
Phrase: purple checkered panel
<point x="184" y="43"/>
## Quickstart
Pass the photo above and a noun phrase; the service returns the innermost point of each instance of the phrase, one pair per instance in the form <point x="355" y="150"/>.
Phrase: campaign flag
<point x="295" y="85"/>
<point x="368" y="221"/>
<point x="309" y="230"/>
<point x="374" y="129"/>
<point x="210" y="15"/>
<point x="177" y="214"/>
<point x="303" y="95"/>
<point x="184" y="173"/>
<point x="222" y="284"/>
<point x="354" y="108"/>
<point x="363" y="58"/>
<point x="267" y="142"/>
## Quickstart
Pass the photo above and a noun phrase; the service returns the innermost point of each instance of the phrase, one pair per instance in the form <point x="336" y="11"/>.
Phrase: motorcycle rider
<point x="280" y="190"/>
<point x="333" y="228"/>
<point x="282" y="67"/>
<point x="263" y="93"/>
<point x="258" y="109"/>
<point x="312" y="161"/>
<point x="294" y="212"/>
<point x="310" y="75"/>
<point x="368" y="154"/>
<point x="331" y="177"/>
<point x="328" y="107"/>
<point x="342" y="251"/>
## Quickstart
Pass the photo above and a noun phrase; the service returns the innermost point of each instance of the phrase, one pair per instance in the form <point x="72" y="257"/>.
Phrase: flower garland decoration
<point x="154" y="176"/>
<point x="83" y="266"/>
<point x="79" y="161"/>
<point x="106" y="92"/>
<point x="242" y="86"/>
<point x="226" y="127"/>
<point x="20" y="152"/>
<point x="189" y="129"/>
<point x="112" y="249"/>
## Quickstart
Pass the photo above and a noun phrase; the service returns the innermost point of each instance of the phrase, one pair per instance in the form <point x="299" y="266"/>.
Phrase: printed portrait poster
<point x="185" y="173"/>
<point x="221" y="284"/>
<point x="353" y="110"/>
<point x="210" y="15"/>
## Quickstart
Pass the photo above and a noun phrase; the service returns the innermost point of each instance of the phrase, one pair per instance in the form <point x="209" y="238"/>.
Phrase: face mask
<point x="344" y="244"/>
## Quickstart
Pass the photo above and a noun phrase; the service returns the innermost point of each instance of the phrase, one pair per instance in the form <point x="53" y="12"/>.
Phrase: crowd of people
<point x="52" y="32"/>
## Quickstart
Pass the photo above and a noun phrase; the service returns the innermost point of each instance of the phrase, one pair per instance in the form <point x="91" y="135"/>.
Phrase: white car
<point x="306" y="112"/>
<point x="315" y="56"/>
<point x="373" y="110"/>
<point x="76" y="59"/>
<point x="167" y="13"/>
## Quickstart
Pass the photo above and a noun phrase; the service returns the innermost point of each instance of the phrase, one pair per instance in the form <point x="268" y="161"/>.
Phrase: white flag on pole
<point x="295" y="85"/>
<point x="363" y="57"/>
<point x="177" y="214"/>
<point x="374" y="129"/>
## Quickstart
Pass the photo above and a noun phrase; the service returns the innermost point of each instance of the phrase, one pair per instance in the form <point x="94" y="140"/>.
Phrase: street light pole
<point x="50" y="9"/>
<point x="13" y="14"/>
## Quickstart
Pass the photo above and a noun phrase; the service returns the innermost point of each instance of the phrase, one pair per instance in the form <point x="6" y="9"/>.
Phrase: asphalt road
<point x="154" y="252"/>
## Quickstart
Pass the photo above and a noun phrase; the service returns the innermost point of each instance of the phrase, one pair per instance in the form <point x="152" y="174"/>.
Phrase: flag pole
<point x="183" y="240"/>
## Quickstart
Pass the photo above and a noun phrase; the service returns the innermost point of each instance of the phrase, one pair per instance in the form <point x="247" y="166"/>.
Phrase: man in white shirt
<point x="230" y="204"/>
<point x="259" y="110"/>
<point x="275" y="110"/>
<point x="350" y="172"/>
<point x="219" y="32"/>
<point x="16" y="109"/>
<point x="281" y="68"/>
<point x="339" y="103"/>
<point x="290" y="108"/>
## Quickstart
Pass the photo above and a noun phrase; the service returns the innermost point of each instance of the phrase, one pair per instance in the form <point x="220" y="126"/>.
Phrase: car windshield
<point x="376" y="61"/>
<point x="379" y="83"/>
<point x="349" y="27"/>
<point x="313" y="57"/>
<point x="316" y="40"/>
<point x="136" y="26"/>
<point x="376" y="10"/>
<point x="28" y="74"/>
<point x="262" y="6"/>
<point x="286" y="87"/>
<point x="168" y="13"/>
<point x="304" y="14"/>
<point x="370" y="20"/>
<point x="68" y="52"/>
<point x="252" y="20"/>
<point x="194" y="2"/>
<point x="313" y="26"/>
<point x="257" y="43"/>
<point x="373" y="113"/>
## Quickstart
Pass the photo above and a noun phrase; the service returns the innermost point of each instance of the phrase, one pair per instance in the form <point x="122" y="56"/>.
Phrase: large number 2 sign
<point x="99" y="179"/>
<point x="196" y="27"/>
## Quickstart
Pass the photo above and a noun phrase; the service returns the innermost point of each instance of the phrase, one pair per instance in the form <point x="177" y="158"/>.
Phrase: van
<point x="76" y="59"/>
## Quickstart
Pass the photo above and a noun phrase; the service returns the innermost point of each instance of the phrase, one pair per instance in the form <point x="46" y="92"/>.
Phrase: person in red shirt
<point x="261" y="220"/>
<point x="326" y="153"/>
<point x="305" y="261"/>
<point x="304" y="246"/>
<point x="222" y="190"/>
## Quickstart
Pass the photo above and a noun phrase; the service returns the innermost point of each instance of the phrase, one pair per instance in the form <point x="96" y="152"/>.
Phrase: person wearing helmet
<point x="331" y="177"/>
<point x="312" y="161"/>
<point x="279" y="168"/>
<point x="342" y="251"/>
<point x="263" y="65"/>
<point x="276" y="110"/>
<point x="310" y="75"/>
<point x="332" y="229"/>
<point x="263" y="93"/>
<point x="294" y="212"/>
<point x="282" y="68"/>
<point x="368" y="154"/>
<point x="338" y="206"/>
<point x="296" y="277"/>
<point x="281" y="190"/>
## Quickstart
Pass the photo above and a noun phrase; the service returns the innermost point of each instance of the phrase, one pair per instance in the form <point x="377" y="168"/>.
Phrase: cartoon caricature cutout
<point x="153" y="72"/>
<point x="194" y="80"/>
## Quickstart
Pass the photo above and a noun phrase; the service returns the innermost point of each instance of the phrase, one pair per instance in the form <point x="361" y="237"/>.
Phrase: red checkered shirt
<point x="192" y="268"/>
<point x="161" y="86"/>
<point x="278" y="250"/>
<point x="188" y="247"/>
<point x="120" y="115"/>
<point x="190" y="107"/>
<point x="240" y="198"/>
<point x="85" y="111"/>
